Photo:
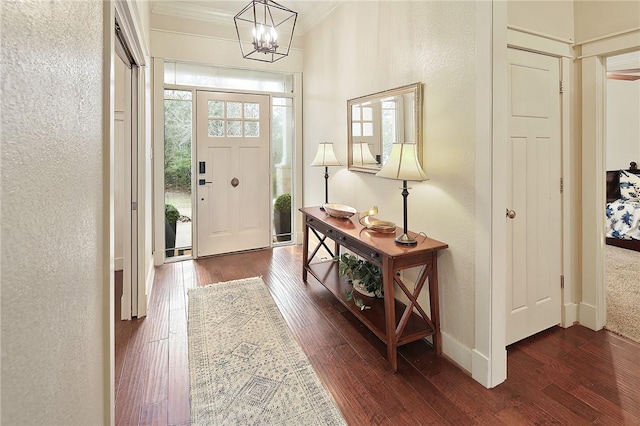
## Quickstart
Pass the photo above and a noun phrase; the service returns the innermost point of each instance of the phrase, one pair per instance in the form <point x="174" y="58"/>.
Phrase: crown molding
<point x="309" y="13"/>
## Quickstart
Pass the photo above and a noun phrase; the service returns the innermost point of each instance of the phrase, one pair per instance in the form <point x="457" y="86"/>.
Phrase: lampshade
<point x="403" y="163"/>
<point x="265" y="30"/>
<point x="361" y="154"/>
<point x="325" y="155"/>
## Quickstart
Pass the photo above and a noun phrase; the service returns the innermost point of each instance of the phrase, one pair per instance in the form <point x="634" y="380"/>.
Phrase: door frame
<point x="125" y="12"/>
<point x="493" y="37"/>
<point x="593" y="72"/>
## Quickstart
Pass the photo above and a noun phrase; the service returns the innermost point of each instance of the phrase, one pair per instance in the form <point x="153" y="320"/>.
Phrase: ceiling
<point x="310" y="12"/>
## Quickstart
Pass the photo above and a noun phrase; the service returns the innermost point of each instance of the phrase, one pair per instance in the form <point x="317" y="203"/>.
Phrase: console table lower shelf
<point x="374" y="319"/>
<point x="391" y="320"/>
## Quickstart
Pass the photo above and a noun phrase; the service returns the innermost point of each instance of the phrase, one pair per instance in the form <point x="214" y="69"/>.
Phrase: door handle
<point x="235" y="182"/>
<point x="511" y="214"/>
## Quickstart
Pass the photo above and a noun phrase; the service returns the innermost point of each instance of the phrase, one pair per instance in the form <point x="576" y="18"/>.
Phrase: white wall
<point x="547" y="17"/>
<point x="623" y="123"/>
<point x="55" y="303"/>
<point x="605" y="17"/>
<point x="366" y="47"/>
<point x="180" y="39"/>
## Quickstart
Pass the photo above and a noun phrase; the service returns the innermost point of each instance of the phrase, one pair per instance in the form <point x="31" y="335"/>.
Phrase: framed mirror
<point x="376" y="121"/>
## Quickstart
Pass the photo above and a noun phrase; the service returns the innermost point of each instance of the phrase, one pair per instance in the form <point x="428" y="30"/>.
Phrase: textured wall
<point x="54" y="314"/>
<point x="365" y="47"/>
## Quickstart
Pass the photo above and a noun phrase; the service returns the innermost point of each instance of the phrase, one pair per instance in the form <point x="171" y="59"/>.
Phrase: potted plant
<point x="282" y="217"/>
<point x="364" y="275"/>
<point x="171" y="215"/>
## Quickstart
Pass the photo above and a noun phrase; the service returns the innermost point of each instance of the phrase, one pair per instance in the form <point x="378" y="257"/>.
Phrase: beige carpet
<point x="623" y="292"/>
<point x="245" y="366"/>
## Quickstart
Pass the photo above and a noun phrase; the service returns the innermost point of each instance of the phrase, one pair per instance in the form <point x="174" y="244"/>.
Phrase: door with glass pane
<point x="233" y="172"/>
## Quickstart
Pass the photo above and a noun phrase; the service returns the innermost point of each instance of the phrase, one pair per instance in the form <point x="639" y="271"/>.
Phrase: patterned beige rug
<point x="623" y="292"/>
<point x="244" y="364"/>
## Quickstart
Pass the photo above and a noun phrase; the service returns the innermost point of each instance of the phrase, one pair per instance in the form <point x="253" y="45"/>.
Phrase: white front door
<point x="534" y="211"/>
<point x="233" y="172"/>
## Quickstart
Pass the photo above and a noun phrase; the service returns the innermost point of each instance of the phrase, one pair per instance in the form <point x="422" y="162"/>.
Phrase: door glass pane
<point x="178" y="107"/>
<point x="251" y="129"/>
<point x="282" y="143"/>
<point x="234" y="128"/>
<point x="216" y="128"/>
<point x="252" y="110"/>
<point x="216" y="109"/>
<point x="234" y="109"/>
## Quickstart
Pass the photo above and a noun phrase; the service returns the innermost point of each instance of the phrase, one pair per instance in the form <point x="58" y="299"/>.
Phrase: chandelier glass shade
<point x="265" y="30"/>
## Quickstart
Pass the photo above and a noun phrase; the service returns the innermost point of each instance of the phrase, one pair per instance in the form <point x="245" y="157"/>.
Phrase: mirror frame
<point x="416" y="89"/>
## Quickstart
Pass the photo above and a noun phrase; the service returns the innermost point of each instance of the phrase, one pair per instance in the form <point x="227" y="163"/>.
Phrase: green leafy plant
<point x="283" y="203"/>
<point x="360" y="271"/>
<point x="171" y="213"/>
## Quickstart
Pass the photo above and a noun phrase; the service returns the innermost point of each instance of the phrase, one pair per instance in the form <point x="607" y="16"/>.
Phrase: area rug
<point x="623" y="292"/>
<point x="245" y="366"/>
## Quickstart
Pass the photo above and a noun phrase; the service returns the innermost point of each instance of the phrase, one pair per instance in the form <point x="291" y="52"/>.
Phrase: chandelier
<point x="261" y="26"/>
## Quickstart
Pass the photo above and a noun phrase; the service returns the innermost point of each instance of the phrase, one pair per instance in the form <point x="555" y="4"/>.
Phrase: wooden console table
<point x="412" y="323"/>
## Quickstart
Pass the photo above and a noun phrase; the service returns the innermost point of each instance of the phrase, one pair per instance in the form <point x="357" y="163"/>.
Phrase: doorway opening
<point x="622" y="217"/>
<point x="181" y="81"/>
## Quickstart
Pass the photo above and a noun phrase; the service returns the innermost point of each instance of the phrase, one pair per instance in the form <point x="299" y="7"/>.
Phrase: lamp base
<point x="406" y="240"/>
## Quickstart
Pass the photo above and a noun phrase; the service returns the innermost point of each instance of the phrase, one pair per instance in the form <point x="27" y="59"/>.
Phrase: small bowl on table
<point x="339" y="210"/>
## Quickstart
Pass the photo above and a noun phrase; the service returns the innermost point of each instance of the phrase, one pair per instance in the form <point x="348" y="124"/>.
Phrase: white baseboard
<point x="480" y="368"/>
<point x="456" y="351"/>
<point x="587" y="316"/>
<point x="569" y="314"/>
<point x="148" y="286"/>
<point x="119" y="263"/>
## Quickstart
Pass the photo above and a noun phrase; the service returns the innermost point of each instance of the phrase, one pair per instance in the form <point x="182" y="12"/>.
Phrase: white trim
<point x="208" y="37"/>
<point x="533" y="42"/>
<point x="592" y="312"/>
<point x="588" y="316"/>
<point x="480" y="368"/>
<point x="612" y="45"/>
<point x="485" y="292"/>
<point x="126" y="300"/>
<point x="498" y="357"/>
<point x="607" y="36"/>
<point x="570" y="257"/>
<point x="148" y="284"/>
<point x="539" y="34"/>
<point x="455" y="350"/>
<point x="296" y="159"/>
<point x="312" y="16"/>
<point x="127" y="14"/>
<point x="108" y="184"/>
<point x="158" y="160"/>
<point x="593" y="192"/>
<point x="118" y="263"/>
<point x="569" y="313"/>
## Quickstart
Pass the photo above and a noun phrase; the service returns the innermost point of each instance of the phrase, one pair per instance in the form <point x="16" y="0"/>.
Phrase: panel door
<point x="233" y="172"/>
<point x="534" y="210"/>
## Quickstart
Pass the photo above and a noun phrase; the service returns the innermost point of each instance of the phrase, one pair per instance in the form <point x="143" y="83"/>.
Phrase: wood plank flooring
<point x="561" y="376"/>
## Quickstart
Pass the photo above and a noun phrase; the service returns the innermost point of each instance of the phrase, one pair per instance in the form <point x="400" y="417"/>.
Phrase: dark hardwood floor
<point x="562" y="376"/>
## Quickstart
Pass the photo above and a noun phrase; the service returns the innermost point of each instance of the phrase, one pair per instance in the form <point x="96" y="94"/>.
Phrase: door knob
<point x="511" y="214"/>
<point x="235" y="182"/>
